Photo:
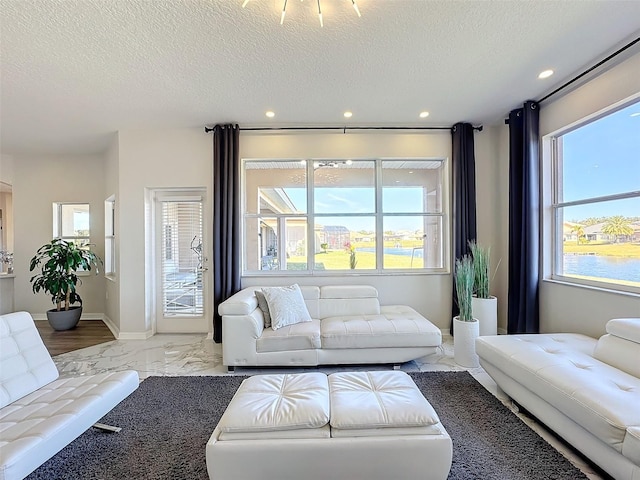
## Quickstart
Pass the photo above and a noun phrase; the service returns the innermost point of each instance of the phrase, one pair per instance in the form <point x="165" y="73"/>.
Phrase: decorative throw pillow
<point x="262" y="304"/>
<point x="286" y="306"/>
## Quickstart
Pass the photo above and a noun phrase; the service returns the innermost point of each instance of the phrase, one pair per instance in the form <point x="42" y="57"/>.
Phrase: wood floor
<point x="86" y="334"/>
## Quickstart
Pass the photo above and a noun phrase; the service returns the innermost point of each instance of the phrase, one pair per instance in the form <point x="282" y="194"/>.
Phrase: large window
<point x="71" y="222"/>
<point x="596" y="201"/>
<point x="344" y="215"/>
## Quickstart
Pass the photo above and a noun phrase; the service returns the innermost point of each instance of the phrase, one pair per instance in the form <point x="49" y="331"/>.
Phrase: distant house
<point x="336" y="236"/>
<point x="594" y="234"/>
<point x="568" y="232"/>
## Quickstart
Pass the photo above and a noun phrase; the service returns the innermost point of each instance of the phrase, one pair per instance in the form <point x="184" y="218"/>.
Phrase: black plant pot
<point x="64" y="319"/>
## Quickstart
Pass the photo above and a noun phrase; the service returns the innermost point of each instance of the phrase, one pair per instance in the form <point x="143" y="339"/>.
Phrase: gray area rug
<point x="168" y="420"/>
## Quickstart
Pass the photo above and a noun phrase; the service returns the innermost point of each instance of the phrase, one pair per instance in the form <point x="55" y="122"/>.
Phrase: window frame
<point x="110" y="237"/>
<point x="556" y="218"/>
<point x="311" y="218"/>
<point x="58" y="227"/>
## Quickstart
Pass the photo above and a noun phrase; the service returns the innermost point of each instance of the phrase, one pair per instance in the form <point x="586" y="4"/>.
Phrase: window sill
<point x="599" y="288"/>
<point x="339" y="273"/>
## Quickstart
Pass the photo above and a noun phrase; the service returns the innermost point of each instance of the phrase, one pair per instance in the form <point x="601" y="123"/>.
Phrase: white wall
<point x="111" y="187"/>
<point x="39" y="181"/>
<point x="564" y="307"/>
<point x="152" y="159"/>
<point x="6" y="169"/>
<point x="492" y="209"/>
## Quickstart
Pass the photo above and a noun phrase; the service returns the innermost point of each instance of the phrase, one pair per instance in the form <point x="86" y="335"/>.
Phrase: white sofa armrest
<point x="242" y="325"/>
<point x="241" y="303"/>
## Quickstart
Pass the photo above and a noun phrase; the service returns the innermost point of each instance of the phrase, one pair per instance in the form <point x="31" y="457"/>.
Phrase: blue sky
<point x="362" y="200"/>
<point x="603" y="158"/>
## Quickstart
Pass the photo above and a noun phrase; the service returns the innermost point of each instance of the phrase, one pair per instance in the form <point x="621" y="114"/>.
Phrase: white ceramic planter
<point x="486" y="311"/>
<point x="464" y="342"/>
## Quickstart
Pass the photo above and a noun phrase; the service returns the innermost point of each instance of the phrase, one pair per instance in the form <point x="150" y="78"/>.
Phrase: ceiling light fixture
<point x="424" y="114"/>
<point x="284" y="10"/>
<point x="545" y="74"/>
<point x="348" y="114"/>
<point x="270" y="114"/>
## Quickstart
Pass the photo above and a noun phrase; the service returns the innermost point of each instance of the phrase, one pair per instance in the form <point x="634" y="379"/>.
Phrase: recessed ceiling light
<point x="424" y="114"/>
<point x="348" y="114"/>
<point x="270" y="114"/>
<point x="545" y="74"/>
<point x="636" y="114"/>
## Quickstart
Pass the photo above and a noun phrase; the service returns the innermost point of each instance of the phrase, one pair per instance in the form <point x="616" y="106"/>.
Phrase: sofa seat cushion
<point x="282" y="402"/>
<point x="393" y="327"/>
<point x="560" y="370"/>
<point x="37" y="426"/>
<point x="300" y="336"/>
<point x="362" y="401"/>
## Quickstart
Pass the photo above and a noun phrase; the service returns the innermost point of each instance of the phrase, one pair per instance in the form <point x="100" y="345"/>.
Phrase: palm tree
<point x="616" y="226"/>
<point x="579" y="231"/>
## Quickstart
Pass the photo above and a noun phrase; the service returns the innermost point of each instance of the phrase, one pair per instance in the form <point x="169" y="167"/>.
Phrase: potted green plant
<point x="59" y="262"/>
<point x="484" y="305"/>
<point x="465" y="326"/>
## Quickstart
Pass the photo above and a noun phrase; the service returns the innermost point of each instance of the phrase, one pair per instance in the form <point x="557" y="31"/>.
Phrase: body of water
<point x="405" y="252"/>
<point x="618" y="268"/>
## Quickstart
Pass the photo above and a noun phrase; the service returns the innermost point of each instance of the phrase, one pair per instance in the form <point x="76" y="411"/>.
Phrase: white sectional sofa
<point x="40" y="415"/>
<point x="348" y="327"/>
<point x="586" y="390"/>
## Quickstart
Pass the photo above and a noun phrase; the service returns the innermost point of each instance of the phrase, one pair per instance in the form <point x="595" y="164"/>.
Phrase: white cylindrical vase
<point x="464" y="342"/>
<point x="486" y="311"/>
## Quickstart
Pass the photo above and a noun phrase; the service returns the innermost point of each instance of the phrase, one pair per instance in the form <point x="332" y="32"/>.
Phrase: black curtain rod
<point x="344" y="129"/>
<point x="589" y="70"/>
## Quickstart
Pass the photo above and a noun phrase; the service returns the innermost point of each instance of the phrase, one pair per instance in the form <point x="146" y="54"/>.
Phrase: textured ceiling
<point x="74" y="72"/>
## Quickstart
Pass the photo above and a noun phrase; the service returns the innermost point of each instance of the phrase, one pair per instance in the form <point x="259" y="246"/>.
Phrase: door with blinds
<point x="181" y="264"/>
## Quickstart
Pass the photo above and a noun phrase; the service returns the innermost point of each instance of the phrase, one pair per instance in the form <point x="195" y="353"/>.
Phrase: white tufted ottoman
<point x="369" y="425"/>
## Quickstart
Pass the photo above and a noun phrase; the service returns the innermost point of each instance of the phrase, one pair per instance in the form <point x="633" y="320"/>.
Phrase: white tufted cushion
<point x="268" y="403"/>
<point x="37" y="426"/>
<point x="395" y="327"/>
<point x="560" y="369"/>
<point x="26" y="363"/>
<point x="378" y="400"/>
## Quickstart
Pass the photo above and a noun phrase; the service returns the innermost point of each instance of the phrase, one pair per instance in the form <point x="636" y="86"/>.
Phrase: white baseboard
<point x="115" y="330"/>
<point x="135" y="335"/>
<point x="445" y="332"/>
<point x="502" y="331"/>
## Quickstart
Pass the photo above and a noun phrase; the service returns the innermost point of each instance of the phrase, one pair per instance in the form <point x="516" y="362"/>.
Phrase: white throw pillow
<point x="286" y="306"/>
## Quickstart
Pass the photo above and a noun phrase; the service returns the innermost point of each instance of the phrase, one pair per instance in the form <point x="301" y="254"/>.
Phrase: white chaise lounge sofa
<point x="40" y="415"/>
<point x="586" y="390"/>
<point x="348" y="327"/>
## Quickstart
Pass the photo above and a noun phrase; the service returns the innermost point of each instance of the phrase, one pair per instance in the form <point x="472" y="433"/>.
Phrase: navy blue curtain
<point x="226" y="218"/>
<point x="524" y="219"/>
<point x="463" y="163"/>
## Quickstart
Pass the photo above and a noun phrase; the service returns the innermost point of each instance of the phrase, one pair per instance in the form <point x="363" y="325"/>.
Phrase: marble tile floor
<point x="194" y="354"/>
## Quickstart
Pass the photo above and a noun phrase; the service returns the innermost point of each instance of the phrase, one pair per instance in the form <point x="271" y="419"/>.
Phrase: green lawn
<point x="339" y="260"/>
<point x="609" y="249"/>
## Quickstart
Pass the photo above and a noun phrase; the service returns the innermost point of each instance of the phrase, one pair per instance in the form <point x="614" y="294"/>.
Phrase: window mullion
<point x="379" y="217"/>
<point x="311" y="219"/>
